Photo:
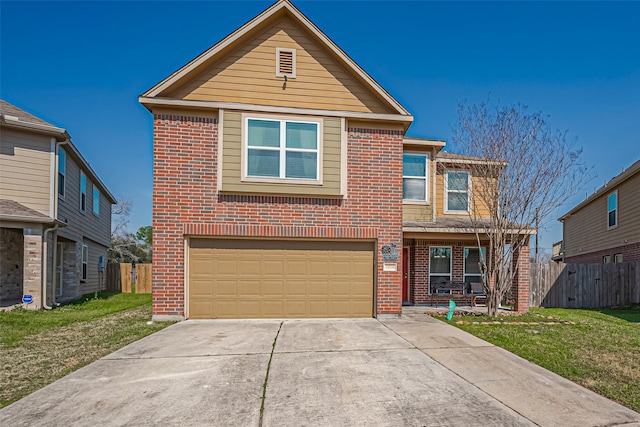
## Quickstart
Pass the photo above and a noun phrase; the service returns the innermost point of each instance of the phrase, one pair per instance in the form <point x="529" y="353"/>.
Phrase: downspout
<point x="48" y="230"/>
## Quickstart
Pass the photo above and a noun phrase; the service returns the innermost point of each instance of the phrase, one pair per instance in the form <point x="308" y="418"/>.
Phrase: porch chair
<point x="477" y="291"/>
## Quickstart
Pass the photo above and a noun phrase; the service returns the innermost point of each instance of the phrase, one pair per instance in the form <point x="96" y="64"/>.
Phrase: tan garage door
<point x="253" y="279"/>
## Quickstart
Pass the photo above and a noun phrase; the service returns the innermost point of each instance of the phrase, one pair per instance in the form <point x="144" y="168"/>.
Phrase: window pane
<point x="472" y="279"/>
<point x="302" y="135"/>
<point x="612" y="218"/>
<point x="263" y="133"/>
<point x="434" y="280"/>
<point x="263" y="163"/>
<point x="414" y="189"/>
<point x="458" y="181"/>
<point x="457" y="202"/>
<point x="83" y="183"/>
<point x="85" y="253"/>
<point x="414" y="165"/>
<point x="62" y="160"/>
<point x="612" y="201"/>
<point x="471" y="260"/>
<point x="301" y="165"/>
<point x="440" y="260"/>
<point x="60" y="184"/>
<point x="96" y="201"/>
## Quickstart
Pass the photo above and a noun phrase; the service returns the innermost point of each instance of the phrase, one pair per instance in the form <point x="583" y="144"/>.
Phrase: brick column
<point x="32" y="267"/>
<point x="521" y="279"/>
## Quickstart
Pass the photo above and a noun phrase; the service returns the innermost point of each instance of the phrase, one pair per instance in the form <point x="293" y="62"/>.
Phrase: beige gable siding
<point x="232" y="161"/>
<point x="82" y="224"/>
<point x="248" y="75"/>
<point x="586" y="230"/>
<point x="25" y="169"/>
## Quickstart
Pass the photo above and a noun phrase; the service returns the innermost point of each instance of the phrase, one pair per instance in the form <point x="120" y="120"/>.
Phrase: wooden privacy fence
<point x="584" y="285"/>
<point x="120" y="278"/>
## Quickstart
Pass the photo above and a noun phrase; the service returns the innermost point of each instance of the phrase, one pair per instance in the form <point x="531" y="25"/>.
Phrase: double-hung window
<point x="457" y="191"/>
<point x="96" y="201"/>
<point x="439" y="266"/>
<point x="282" y="149"/>
<point x="415" y="180"/>
<point x="85" y="261"/>
<point x="62" y="170"/>
<point x="612" y="209"/>
<point x="83" y="192"/>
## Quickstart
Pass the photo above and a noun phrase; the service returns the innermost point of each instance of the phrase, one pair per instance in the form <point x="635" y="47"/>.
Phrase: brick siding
<point x="186" y="202"/>
<point x="629" y="253"/>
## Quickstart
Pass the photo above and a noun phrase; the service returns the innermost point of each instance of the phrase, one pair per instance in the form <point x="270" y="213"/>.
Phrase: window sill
<point x="416" y="202"/>
<point x="292" y="181"/>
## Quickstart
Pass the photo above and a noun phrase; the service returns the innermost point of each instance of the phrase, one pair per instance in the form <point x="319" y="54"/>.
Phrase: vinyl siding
<point x="411" y="212"/>
<point x="232" y="159"/>
<point x="587" y="228"/>
<point x="476" y="183"/>
<point x="83" y="224"/>
<point x="248" y="75"/>
<point x="95" y="281"/>
<point x="25" y="169"/>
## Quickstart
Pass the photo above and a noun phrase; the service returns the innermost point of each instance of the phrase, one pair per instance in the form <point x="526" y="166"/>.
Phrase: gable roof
<point x="280" y="8"/>
<point x="609" y="186"/>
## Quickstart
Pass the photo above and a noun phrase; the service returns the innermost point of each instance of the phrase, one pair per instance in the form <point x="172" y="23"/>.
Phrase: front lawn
<point x="39" y="347"/>
<point x="600" y="350"/>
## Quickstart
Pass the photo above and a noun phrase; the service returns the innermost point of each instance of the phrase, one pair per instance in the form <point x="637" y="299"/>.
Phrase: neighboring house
<point x="284" y="185"/>
<point x="605" y="227"/>
<point x="55" y="214"/>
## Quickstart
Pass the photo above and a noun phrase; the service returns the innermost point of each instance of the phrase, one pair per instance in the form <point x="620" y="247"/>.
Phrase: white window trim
<point x="440" y="274"/>
<point x="82" y="174"/>
<point x="616" y="209"/>
<point x="426" y="179"/>
<point x="615" y="258"/>
<point x="291" y="75"/>
<point x="446" y="192"/>
<point x="464" y="264"/>
<point x="606" y="259"/>
<point x="64" y="173"/>
<point x="93" y="200"/>
<point x="282" y="119"/>
<point x="85" y="271"/>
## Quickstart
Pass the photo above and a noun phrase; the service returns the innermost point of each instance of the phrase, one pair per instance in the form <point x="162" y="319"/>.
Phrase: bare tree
<point x="529" y="170"/>
<point x="124" y="245"/>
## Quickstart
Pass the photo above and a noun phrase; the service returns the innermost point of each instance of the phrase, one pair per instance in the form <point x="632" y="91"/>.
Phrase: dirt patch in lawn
<point x="50" y="355"/>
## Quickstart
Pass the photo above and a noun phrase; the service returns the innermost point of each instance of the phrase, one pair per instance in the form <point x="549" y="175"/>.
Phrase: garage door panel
<point x="252" y="279"/>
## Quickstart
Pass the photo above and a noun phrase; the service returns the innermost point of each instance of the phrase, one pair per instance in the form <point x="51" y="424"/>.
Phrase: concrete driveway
<point x="414" y="371"/>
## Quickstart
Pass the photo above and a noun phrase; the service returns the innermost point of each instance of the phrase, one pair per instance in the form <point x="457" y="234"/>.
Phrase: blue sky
<point x="82" y="65"/>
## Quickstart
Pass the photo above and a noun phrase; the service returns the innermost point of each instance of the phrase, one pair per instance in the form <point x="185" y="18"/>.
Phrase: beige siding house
<point x="55" y="214"/>
<point x="605" y="228"/>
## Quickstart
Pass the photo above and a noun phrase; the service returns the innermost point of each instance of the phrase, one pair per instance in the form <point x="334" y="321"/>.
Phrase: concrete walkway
<point x="413" y="371"/>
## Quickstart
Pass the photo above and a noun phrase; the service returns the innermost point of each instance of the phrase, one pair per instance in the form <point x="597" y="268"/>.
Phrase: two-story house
<point x="284" y="185"/>
<point x="605" y="227"/>
<point x="55" y="214"/>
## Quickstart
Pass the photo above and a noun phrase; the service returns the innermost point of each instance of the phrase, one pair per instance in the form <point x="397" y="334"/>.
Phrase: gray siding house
<point x="55" y="214"/>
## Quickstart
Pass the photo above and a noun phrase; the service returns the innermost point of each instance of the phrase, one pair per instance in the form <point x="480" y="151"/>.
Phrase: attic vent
<point x="285" y="63"/>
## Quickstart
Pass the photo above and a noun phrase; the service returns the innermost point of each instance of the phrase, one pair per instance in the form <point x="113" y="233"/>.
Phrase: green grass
<point x="39" y="347"/>
<point x="601" y="351"/>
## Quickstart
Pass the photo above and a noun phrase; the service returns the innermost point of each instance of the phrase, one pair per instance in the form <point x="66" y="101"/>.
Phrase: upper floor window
<point x="415" y="180"/>
<point x="96" y="200"/>
<point x="457" y="191"/>
<point x="282" y="149"/>
<point x="62" y="170"/>
<point x="612" y="209"/>
<point x="83" y="192"/>
<point x="618" y="258"/>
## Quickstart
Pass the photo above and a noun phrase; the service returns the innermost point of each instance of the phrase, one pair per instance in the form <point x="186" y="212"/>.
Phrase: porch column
<point x="521" y="280"/>
<point x="32" y="267"/>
